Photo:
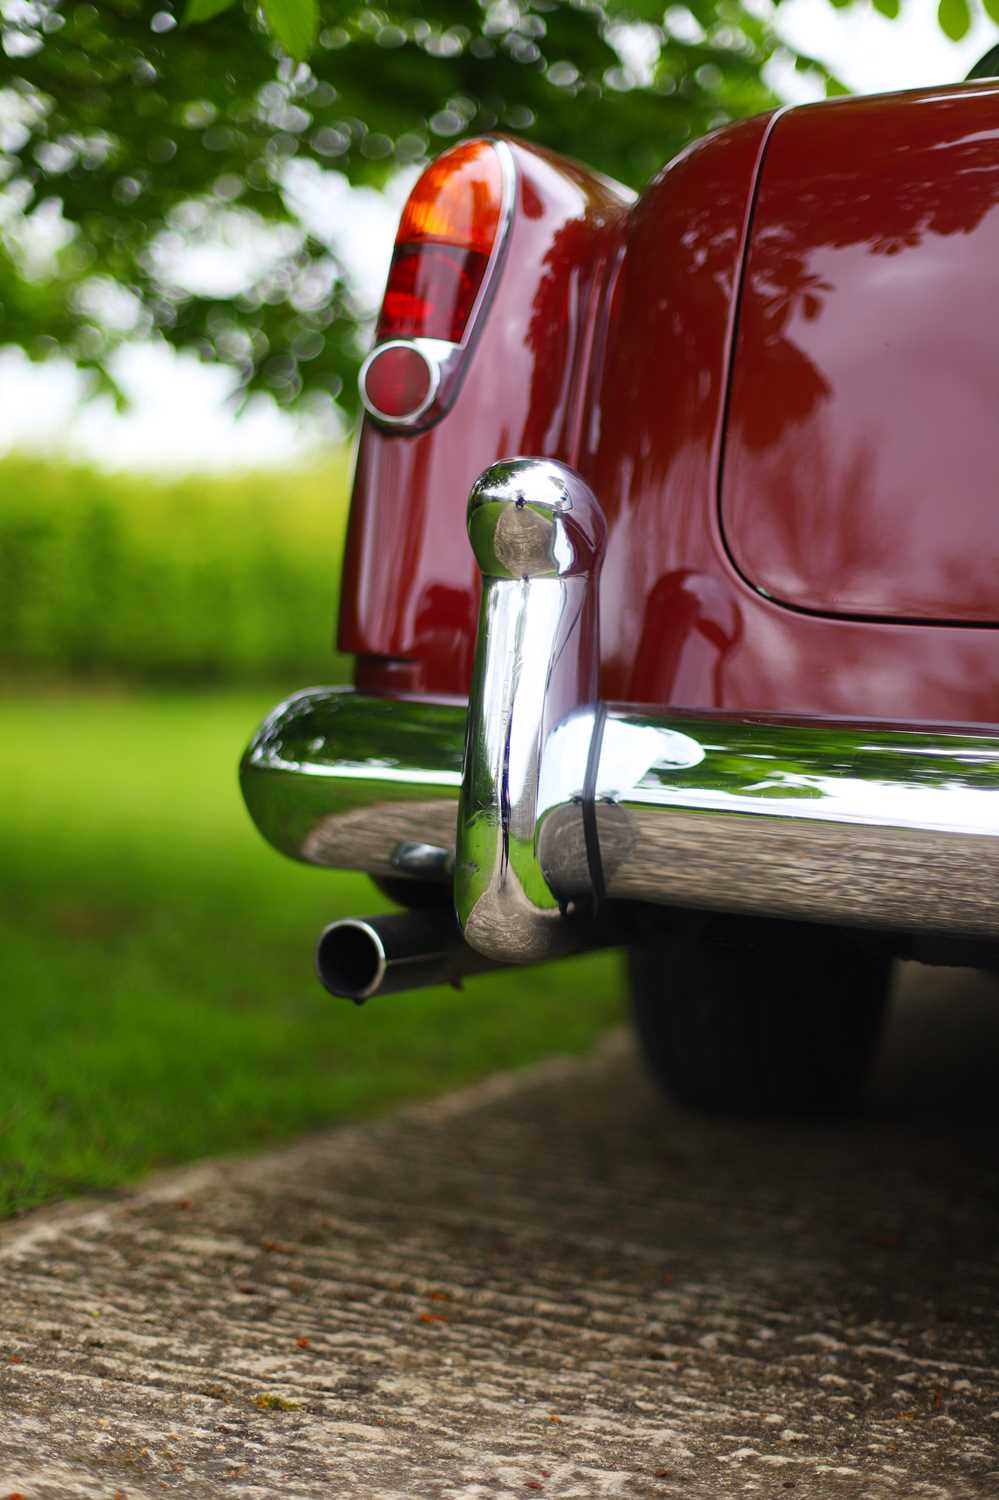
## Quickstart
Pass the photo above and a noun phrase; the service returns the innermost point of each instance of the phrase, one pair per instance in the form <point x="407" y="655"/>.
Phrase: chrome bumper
<point x="537" y="800"/>
<point x="861" y="826"/>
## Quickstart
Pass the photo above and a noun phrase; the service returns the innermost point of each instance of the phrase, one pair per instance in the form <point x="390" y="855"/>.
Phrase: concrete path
<point x="548" y="1285"/>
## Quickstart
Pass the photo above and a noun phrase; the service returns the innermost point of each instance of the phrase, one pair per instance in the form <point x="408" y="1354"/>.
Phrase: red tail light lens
<point x="431" y="292"/>
<point x="448" y="229"/>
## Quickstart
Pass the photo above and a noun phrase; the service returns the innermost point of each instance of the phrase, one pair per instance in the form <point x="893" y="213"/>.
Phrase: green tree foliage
<point x="129" y="131"/>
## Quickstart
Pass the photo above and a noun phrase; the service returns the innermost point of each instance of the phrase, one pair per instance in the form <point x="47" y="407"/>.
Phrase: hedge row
<point x="206" y="579"/>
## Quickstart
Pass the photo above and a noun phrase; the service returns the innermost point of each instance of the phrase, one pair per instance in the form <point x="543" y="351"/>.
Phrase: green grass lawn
<point x="158" y="997"/>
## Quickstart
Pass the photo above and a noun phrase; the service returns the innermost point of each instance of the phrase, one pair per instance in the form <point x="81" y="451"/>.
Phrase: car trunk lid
<point x="861" y="463"/>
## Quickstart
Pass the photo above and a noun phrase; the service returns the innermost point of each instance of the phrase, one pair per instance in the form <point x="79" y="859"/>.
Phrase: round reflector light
<point x="398" y="382"/>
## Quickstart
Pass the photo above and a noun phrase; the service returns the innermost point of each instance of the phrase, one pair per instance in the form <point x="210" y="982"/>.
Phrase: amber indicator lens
<point x="397" y="383"/>
<point x="457" y="201"/>
<point x="442" y="249"/>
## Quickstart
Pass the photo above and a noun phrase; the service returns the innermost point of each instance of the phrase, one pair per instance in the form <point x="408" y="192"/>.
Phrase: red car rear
<point x="710" y="672"/>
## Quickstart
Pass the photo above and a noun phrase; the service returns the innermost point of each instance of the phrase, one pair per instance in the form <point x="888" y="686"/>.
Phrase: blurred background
<point x="196" y="215"/>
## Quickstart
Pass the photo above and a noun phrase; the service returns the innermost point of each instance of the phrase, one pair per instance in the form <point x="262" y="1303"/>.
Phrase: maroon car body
<point x="778" y="371"/>
<point x="716" y="678"/>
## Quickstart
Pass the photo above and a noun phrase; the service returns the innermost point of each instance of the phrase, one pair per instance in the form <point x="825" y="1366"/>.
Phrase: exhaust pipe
<point x="359" y="957"/>
<point x="408" y="950"/>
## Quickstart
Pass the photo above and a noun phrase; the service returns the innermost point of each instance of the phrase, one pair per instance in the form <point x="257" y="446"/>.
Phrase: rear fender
<point x="410" y="586"/>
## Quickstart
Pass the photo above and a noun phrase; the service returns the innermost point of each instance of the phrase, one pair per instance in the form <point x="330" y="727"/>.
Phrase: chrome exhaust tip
<point x="358" y="957"/>
<point x="350" y="959"/>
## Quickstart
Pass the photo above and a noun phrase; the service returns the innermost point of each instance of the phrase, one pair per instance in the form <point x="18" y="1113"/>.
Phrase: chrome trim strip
<point x="843" y="823"/>
<point x="537" y="533"/>
<point x="508" y="171"/>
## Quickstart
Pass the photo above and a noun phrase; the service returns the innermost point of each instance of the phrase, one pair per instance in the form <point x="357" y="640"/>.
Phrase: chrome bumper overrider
<point x="538" y="800"/>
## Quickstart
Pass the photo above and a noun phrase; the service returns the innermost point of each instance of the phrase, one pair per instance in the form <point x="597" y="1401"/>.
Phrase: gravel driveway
<point x="546" y="1285"/>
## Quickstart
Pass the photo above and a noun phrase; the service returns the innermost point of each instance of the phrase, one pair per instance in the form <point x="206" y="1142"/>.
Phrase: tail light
<point x="449" y="239"/>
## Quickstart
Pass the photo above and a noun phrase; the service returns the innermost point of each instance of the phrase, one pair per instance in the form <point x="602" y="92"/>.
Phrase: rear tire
<point x="760" y="1019"/>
